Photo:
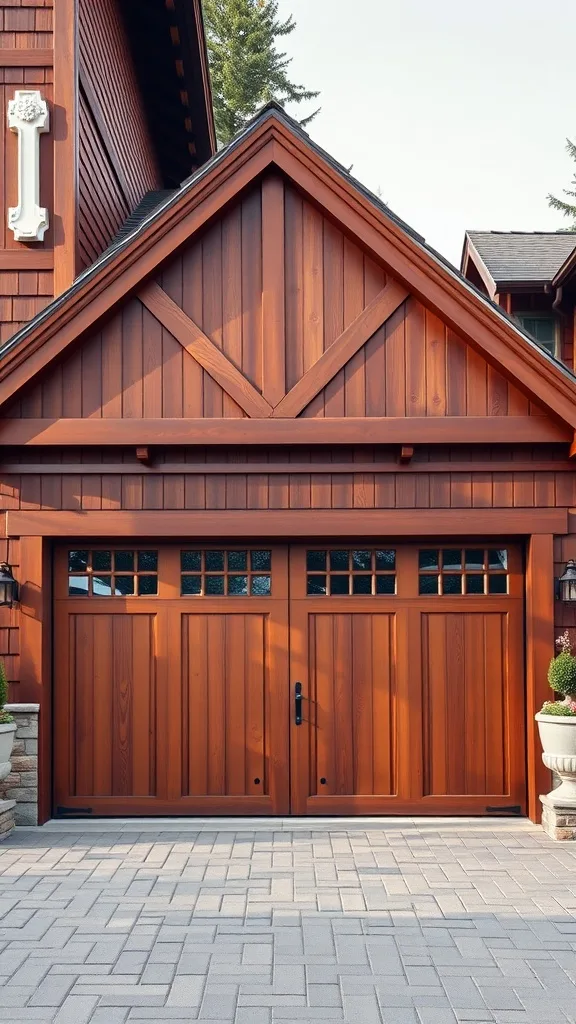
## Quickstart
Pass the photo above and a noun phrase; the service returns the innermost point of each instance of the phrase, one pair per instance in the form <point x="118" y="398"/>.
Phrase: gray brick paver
<point x="342" y="922"/>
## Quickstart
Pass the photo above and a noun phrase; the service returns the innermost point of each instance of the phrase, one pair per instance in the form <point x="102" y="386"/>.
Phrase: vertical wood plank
<point x="435" y="365"/>
<point x="252" y="287"/>
<point x="539" y="651"/>
<point x="354" y="371"/>
<point x="273" y="290"/>
<point x="35" y="685"/>
<point x="313" y="287"/>
<point x="64" y="131"/>
<point x="294" y="273"/>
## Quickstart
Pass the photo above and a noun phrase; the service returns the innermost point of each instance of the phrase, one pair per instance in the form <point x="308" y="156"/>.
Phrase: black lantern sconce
<point x="8" y="586"/>
<point x="567" y="583"/>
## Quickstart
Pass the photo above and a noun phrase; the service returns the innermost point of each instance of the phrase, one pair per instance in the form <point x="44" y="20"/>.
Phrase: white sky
<point x="456" y="110"/>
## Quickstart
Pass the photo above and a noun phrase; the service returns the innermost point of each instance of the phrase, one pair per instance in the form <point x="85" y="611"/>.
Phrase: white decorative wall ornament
<point x="28" y="117"/>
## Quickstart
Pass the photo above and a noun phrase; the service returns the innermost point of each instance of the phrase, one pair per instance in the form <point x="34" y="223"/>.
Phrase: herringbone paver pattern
<point x="401" y="922"/>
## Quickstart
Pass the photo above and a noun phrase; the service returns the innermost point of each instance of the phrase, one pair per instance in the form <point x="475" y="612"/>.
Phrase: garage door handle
<point x="298" y="704"/>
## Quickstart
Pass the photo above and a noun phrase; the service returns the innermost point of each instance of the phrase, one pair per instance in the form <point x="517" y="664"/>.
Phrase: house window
<point x="543" y="329"/>
<point x="102" y="573"/>
<point x="463" y="571"/>
<point x="226" y="573"/>
<point x="345" y="572"/>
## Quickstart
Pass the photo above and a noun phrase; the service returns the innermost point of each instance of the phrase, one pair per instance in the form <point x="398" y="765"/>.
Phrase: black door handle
<point x="298" y="704"/>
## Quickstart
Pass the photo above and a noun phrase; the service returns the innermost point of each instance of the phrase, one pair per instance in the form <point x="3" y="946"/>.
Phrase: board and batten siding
<point x="116" y="164"/>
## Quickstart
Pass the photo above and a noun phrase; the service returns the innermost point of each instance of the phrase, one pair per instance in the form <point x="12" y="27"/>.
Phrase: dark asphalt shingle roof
<point x="522" y="255"/>
<point x="150" y="202"/>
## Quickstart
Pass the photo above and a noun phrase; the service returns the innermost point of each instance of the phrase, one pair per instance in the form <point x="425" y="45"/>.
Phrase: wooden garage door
<point x="172" y="690"/>
<point x="176" y="673"/>
<point x="411" y="665"/>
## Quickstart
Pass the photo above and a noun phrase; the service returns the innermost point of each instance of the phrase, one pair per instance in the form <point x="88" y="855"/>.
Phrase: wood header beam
<point x="461" y="522"/>
<point x="204" y="351"/>
<point x="346" y="346"/>
<point x="334" y="431"/>
<point x="276" y="468"/>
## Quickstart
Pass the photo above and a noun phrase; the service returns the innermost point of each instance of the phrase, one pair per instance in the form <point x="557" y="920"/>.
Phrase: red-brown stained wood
<point x="116" y="166"/>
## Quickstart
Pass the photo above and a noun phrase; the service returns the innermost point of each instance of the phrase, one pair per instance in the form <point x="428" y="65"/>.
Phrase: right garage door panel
<point x="466" y="703"/>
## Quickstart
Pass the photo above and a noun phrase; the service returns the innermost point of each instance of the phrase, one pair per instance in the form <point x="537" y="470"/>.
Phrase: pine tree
<point x="567" y="208"/>
<point x="246" y="69"/>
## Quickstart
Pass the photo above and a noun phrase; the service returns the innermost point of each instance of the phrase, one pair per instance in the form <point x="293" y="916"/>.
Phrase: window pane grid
<point x="346" y="572"/>
<point x="226" y="573"/>
<point x="112" y="573"/>
<point x="463" y="571"/>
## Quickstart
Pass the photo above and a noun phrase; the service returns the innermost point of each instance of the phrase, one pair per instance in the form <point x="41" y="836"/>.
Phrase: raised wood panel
<point x="352" y="700"/>
<point x="466" y="703"/>
<point x="415" y="366"/>
<point x="109" y="710"/>
<point x="225" y="677"/>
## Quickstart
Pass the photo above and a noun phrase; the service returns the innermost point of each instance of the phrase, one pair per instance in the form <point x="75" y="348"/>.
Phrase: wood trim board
<point x="27" y="58"/>
<point x="26" y="259"/>
<point x="351" y="430"/>
<point x="290" y="523"/>
<point x="276" y="468"/>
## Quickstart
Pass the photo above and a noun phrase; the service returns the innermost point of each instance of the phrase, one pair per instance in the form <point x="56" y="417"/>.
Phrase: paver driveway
<point x="412" y="922"/>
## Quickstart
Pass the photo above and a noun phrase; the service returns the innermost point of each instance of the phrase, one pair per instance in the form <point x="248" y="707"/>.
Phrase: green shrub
<point x="557" y="707"/>
<point x="562" y="674"/>
<point x="5" y="716"/>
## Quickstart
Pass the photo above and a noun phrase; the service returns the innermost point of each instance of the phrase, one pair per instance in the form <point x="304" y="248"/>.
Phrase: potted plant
<point x="557" y="724"/>
<point x="7" y="726"/>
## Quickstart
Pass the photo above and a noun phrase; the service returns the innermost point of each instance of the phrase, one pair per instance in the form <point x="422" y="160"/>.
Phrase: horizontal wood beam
<point x="28" y="58"/>
<point x="371" y="430"/>
<point x="275" y="468"/>
<point x="204" y="351"/>
<point x="460" y="522"/>
<point x="26" y="259"/>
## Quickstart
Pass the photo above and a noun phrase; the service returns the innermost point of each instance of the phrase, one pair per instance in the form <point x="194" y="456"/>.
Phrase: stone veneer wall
<point x="22" y="784"/>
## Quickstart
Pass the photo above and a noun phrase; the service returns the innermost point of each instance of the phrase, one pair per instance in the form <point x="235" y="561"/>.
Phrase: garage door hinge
<point x="514" y="809"/>
<point x="80" y="811"/>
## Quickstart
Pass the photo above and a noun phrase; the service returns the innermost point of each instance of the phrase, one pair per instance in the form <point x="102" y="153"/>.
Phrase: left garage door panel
<point x="170" y="704"/>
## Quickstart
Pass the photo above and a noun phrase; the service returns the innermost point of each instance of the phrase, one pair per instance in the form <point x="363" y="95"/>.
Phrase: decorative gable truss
<point x="275" y="294"/>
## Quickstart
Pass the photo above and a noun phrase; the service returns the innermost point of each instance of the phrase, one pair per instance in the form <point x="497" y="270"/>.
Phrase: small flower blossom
<point x="563" y="643"/>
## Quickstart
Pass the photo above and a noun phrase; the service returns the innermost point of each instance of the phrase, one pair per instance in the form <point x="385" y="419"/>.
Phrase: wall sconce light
<point x="8" y="586"/>
<point x="567" y="583"/>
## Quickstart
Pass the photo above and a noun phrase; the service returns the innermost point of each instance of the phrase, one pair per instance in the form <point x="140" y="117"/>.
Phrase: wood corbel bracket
<point x="406" y="454"/>
<point x="144" y="456"/>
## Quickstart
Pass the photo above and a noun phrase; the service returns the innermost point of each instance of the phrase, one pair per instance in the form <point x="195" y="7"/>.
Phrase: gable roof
<point x="275" y="140"/>
<point x="519" y="256"/>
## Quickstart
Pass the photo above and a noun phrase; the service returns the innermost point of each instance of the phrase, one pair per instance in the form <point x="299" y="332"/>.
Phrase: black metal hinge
<point x="514" y="809"/>
<point x="79" y="811"/>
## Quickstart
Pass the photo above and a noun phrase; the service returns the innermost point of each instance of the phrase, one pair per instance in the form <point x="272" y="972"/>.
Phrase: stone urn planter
<point x="558" y="738"/>
<point x="7" y="731"/>
<point x="557" y="725"/>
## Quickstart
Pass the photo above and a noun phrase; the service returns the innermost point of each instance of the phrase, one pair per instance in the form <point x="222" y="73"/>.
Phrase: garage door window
<point x="346" y="572"/>
<point x="109" y="573"/>
<point x="226" y="573"/>
<point x="463" y="571"/>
